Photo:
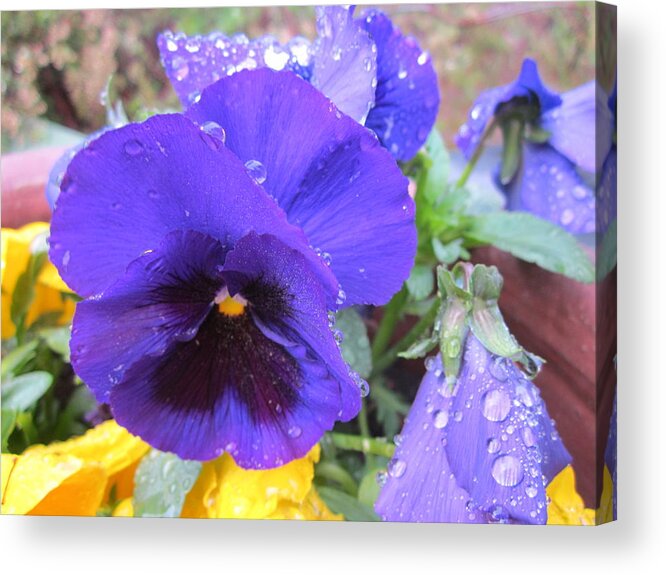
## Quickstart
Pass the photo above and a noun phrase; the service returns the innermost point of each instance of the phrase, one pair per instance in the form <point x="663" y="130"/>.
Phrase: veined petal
<point x="420" y="485"/>
<point x="345" y="62"/>
<point x="407" y="96"/>
<point x="132" y="186"/>
<point x="265" y="399"/>
<point x="549" y="186"/>
<point x="328" y="173"/>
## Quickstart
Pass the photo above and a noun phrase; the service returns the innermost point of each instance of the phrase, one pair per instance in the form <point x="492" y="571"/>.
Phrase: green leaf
<point x="434" y="180"/>
<point x="355" y="345"/>
<point x="368" y="489"/>
<point x="420" y="347"/>
<point x="448" y="254"/>
<point x="7" y="424"/>
<point x="349" y="506"/>
<point x="24" y="291"/>
<point x="18" y="358"/>
<point x="57" y="339"/>
<point x="162" y="481"/>
<point x="23" y="391"/>
<point x="389" y="408"/>
<point x="607" y="254"/>
<point x="420" y="282"/>
<point x="533" y="240"/>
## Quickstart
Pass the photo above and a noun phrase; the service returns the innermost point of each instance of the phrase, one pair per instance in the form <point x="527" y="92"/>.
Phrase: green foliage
<point x="533" y="240"/>
<point x="22" y="392"/>
<point x="162" y="481"/>
<point x="350" y="507"/>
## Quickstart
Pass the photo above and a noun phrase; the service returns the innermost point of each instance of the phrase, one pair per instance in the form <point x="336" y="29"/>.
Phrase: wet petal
<point x="345" y="62"/>
<point x="420" y="485"/>
<point x="566" y="507"/>
<point x="496" y="438"/>
<point x="265" y="400"/>
<point x="194" y="62"/>
<point x="549" y="186"/>
<point x="51" y="484"/>
<point x="130" y="187"/>
<point x="328" y="173"/>
<point x="581" y="128"/>
<point x="407" y="97"/>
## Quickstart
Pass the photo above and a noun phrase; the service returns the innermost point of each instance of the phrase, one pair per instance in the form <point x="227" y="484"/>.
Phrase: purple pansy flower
<point x="482" y="452"/>
<point x="547" y="138"/>
<point x="206" y="319"/>
<point x="366" y="66"/>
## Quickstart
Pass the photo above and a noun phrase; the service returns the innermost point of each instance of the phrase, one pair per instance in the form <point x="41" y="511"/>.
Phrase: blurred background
<point x="55" y="64"/>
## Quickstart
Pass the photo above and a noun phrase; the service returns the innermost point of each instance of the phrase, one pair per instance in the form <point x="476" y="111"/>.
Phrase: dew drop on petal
<point x="496" y="405"/>
<point x="507" y="470"/>
<point x="493" y="446"/>
<point x="294" y="432"/>
<point x="256" y="170"/>
<point x="440" y="418"/>
<point x="133" y="147"/>
<point x="215" y="130"/>
<point x="396" y="467"/>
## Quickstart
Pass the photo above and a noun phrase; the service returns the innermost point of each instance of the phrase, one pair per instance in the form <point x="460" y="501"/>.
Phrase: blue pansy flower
<point x="607" y="182"/>
<point x="366" y="66"/>
<point x="211" y="249"/>
<point x="481" y="452"/>
<point x="548" y="137"/>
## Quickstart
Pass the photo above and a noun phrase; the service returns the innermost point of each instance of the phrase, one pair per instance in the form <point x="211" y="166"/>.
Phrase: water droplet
<point x="579" y="192"/>
<point x="493" y="446"/>
<point x="192" y="45"/>
<point x="342" y="297"/>
<point x="441" y="418"/>
<point x="498" y="514"/>
<point x="422" y="59"/>
<point x="453" y="347"/>
<point x="496" y="405"/>
<point x="397" y="439"/>
<point x="457" y="416"/>
<point x="294" y="432"/>
<point x="524" y="395"/>
<point x="567" y="217"/>
<point x="528" y="436"/>
<point x="402" y="73"/>
<point x="498" y="369"/>
<point x="531" y="491"/>
<point x="65" y="259"/>
<point x="215" y="130"/>
<point x="429" y="363"/>
<point x="256" y="170"/>
<point x="133" y="147"/>
<point x="507" y="470"/>
<point x="396" y="467"/>
<point x="381" y="478"/>
<point x="367" y="64"/>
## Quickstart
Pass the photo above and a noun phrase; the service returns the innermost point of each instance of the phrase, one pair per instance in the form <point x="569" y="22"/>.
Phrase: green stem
<point x="412" y="336"/>
<point x="334" y="472"/>
<point x="387" y="324"/>
<point x="363" y="424"/>
<point x="367" y="445"/>
<point x="462" y="180"/>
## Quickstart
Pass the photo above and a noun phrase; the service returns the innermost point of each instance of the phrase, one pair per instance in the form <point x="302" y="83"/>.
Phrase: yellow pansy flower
<point x="566" y="506"/>
<point x="72" y="477"/>
<point x="16" y="246"/>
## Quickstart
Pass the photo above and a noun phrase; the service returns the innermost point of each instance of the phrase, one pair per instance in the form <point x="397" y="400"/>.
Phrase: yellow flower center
<point x="231" y="307"/>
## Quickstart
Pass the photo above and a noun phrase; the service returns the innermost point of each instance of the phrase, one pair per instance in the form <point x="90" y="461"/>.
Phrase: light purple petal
<point x="345" y="62"/>
<point x="407" y="97"/>
<point x="327" y="172"/>
<point x="549" y="186"/>
<point x="582" y="127"/>
<point x="420" y="486"/>
<point x="194" y="62"/>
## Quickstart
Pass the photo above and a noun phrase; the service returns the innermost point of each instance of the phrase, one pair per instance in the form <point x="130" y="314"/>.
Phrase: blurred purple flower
<point x="547" y="138"/>
<point x="206" y="323"/>
<point x="481" y="453"/>
<point x="366" y="66"/>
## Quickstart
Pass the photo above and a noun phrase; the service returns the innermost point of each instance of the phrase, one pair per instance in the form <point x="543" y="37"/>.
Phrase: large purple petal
<point x="606" y="192"/>
<point x="582" y="127"/>
<point x="194" y="62"/>
<point x="407" y="97"/>
<point x="328" y="173"/>
<point x="163" y="297"/>
<point x="420" y="486"/>
<point x="345" y="62"/>
<point x="528" y="85"/>
<point x="131" y="186"/>
<point x="549" y="186"/>
<point x="498" y="443"/>
<point x="263" y="385"/>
